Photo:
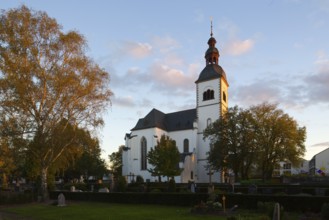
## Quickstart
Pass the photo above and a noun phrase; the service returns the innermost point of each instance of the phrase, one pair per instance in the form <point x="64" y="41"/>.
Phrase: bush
<point x="171" y="185"/>
<point x="268" y="208"/>
<point x="325" y="211"/>
<point x="16" y="198"/>
<point x="139" y="179"/>
<point x="121" y="184"/>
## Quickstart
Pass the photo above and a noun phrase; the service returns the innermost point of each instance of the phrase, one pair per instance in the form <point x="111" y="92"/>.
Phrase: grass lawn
<point x="108" y="211"/>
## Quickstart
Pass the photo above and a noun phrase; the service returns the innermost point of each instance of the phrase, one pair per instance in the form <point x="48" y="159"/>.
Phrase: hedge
<point x="289" y="202"/>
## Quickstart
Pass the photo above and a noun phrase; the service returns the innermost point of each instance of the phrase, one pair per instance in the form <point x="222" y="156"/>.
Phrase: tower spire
<point x="212" y="53"/>
<point x="211" y="26"/>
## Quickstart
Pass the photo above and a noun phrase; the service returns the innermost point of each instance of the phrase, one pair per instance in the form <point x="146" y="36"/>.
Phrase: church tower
<point x="212" y="102"/>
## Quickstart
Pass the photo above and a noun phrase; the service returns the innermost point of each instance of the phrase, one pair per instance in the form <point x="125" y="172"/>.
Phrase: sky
<point x="274" y="51"/>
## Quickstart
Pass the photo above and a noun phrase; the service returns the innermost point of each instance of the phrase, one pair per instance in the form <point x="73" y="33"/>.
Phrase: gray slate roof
<point x="211" y="71"/>
<point x="175" y="121"/>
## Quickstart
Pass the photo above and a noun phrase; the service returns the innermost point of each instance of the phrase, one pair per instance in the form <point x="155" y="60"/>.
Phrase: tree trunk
<point x="44" y="187"/>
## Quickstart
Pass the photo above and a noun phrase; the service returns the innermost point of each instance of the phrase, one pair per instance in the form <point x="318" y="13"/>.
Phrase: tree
<point x="83" y="159"/>
<point x="164" y="158"/>
<point x="116" y="162"/>
<point x="277" y="136"/>
<point x="231" y="140"/>
<point x="260" y="136"/>
<point x="48" y="85"/>
<point x="6" y="162"/>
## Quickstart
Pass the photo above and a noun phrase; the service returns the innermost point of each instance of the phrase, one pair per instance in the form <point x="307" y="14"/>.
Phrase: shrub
<point x="268" y="208"/>
<point x="171" y="185"/>
<point x="121" y="184"/>
<point x="325" y="211"/>
<point x="139" y="179"/>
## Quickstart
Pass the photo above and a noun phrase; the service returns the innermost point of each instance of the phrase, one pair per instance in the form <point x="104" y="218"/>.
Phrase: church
<point x="185" y="127"/>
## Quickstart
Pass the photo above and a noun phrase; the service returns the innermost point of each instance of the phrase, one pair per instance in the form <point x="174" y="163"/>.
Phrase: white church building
<point x="185" y="127"/>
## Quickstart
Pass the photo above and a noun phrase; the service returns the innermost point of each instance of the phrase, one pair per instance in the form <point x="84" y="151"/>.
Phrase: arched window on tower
<point x="224" y="96"/>
<point x="186" y="146"/>
<point x="143" y="154"/>
<point x="209" y="94"/>
<point x="208" y="122"/>
<point x="212" y="94"/>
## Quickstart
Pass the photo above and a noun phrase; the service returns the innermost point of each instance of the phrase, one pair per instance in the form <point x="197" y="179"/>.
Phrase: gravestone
<point x="276" y="212"/>
<point x="104" y="190"/>
<point x="320" y="192"/>
<point x="267" y="191"/>
<point x="252" y="189"/>
<point x="61" y="200"/>
<point x="192" y="187"/>
<point x="72" y="189"/>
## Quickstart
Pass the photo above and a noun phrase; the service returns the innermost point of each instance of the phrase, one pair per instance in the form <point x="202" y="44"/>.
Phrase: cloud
<point x="126" y="101"/>
<point x="136" y="49"/>
<point x="289" y="92"/>
<point x="318" y="90"/>
<point x="323" y="144"/>
<point x="238" y="47"/>
<point x="130" y="79"/>
<point x="234" y="45"/>
<point x="165" y="44"/>
<point x="169" y="78"/>
<point x="263" y="90"/>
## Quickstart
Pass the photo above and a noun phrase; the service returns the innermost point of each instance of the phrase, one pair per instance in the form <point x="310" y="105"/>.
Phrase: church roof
<point x="175" y="121"/>
<point x="211" y="71"/>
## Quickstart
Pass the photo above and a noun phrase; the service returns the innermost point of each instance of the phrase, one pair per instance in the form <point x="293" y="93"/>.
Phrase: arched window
<point x="224" y="96"/>
<point x="204" y="96"/>
<point x="212" y="96"/>
<point x="186" y="146"/>
<point x="209" y="94"/>
<point x="208" y="121"/>
<point x="143" y="154"/>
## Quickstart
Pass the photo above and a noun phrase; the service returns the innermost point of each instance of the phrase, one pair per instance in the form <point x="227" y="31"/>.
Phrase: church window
<point x="224" y="96"/>
<point x="143" y="153"/>
<point x="209" y="94"/>
<point x="208" y="121"/>
<point x="186" y="146"/>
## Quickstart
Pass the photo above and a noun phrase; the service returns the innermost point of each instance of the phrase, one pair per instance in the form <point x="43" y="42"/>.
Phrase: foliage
<point x="232" y="142"/>
<point x="171" y="185"/>
<point x="268" y="208"/>
<point x="116" y="162"/>
<point x="6" y="158"/>
<point x="88" y="162"/>
<point x="207" y="207"/>
<point x="120" y="184"/>
<point x="278" y="136"/>
<point x="139" y="179"/>
<point x="49" y="88"/>
<point x="16" y="198"/>
<point x="164" y="158"/>
<point x="325" y="211"/>
<point x="260" y="137"/>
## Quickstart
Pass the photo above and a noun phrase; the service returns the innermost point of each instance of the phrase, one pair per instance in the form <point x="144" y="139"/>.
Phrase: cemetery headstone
<point x="104" y="190"/>
<point x="193" y="187"/>
<point x="276" y="212"/>
<point x="252" y="189"/>
<point x="320" y="191"/>
<point x="61" y="200"/>
<point x="72" y="189"/>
